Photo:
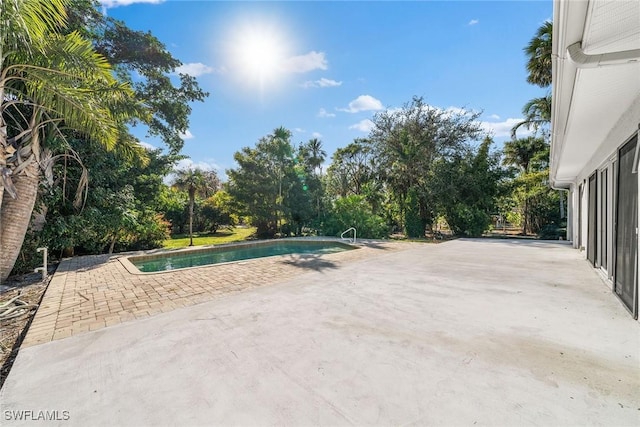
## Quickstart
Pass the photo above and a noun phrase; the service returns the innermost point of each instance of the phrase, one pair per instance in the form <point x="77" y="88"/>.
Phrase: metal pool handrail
<point x="348" y="230"/>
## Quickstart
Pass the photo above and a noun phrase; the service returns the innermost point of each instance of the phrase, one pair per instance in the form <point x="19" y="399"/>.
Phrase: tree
<point x="211" y="183"/>
<point x="171" y="203"/>
<point x="142" y="60"/>
<point x="352" y="167"/>
<point x="313" y="155"/>
<point x="192" y="181"/>
<point x="468" y="186"/>
<point x="530" y="155"/>
<point x="254" y="187"/>
<point x="538" y="52"/>
<point x="524" y="152"/>
<point x="47" y="79"/>
<point x="408" y="142"/>
<point x="537" y="115"/>
<point x="217" y="210"/>
<point x="121" y="208"/>
<point x="537" y="112"/>
<point x="279" y="161"/>
<point x="530" y="188"/>
<point x="274" y="184"/>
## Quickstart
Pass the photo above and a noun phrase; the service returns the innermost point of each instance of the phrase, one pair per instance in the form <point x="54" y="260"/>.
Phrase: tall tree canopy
<point x="49" y="79"/>
<point x="142" y="60"/>
<point x="467" y="188"/>
<point x="352" y="167"/>
<point x="274" y="183"/>
<point x="68" y="74"/>
<point x="407" y="142"/>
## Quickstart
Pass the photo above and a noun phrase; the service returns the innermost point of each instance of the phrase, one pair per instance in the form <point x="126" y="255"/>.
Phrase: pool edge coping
<point x="132" y="269"/>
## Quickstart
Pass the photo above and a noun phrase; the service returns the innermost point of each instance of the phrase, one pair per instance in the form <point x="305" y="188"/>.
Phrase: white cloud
<point x="324" y="113"/>
<point x="494" y="117"/>
<point x="363" y="103"/>
<point x="363" y="126"/>
<point x="115" y="3"/>
<point x="206" y="165"/>
<point x="323" y="82"/>
<point x="187" y="135"/>
<point x="299" y="130"/>
<point x="147" y="146"/>
<point x="328" y="82"/>
<point x="196" y="69"/>
<point x="474" y="22"/>
<point x="503" y="129"/>
<point x="316" y="135"/>
<point x="190" y="164"/>
<point x="305" y="63"/>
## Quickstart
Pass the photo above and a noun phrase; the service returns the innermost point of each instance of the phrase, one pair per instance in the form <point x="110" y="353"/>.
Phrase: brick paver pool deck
<point x="92" y="292"/>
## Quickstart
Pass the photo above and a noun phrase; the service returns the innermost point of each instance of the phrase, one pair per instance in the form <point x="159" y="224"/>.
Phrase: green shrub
<point x="151" y="232"/>
<point x="354" y="211"/>
<point x="468" y="220"/>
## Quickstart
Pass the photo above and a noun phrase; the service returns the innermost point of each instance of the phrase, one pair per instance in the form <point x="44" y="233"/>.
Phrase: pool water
<point x="200" y="257"/>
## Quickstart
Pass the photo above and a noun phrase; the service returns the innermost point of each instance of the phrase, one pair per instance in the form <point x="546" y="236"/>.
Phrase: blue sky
<point x="323" y="69"/>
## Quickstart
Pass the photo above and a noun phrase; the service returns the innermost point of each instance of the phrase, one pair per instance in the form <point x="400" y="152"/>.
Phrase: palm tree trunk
<point x="15" y="215"/>
<point x="191" y="202"/>
<point x="3" y="150"/>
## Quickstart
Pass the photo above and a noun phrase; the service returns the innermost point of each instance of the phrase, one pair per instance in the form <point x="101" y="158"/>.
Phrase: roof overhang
<point x="596" y="80"/>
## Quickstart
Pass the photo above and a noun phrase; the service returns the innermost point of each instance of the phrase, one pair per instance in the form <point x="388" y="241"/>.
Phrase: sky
<point x="324" y="69"/>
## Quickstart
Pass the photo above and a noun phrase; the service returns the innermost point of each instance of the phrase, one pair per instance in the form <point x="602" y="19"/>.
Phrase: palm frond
<point x="538" y="52"/>
<point x="24" y="21"/>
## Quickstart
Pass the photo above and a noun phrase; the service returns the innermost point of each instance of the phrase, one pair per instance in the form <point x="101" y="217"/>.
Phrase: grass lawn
<point x="221" y="236"/>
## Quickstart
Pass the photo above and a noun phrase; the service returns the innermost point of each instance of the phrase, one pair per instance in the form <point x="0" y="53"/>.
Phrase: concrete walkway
<point x="467" y="332"/>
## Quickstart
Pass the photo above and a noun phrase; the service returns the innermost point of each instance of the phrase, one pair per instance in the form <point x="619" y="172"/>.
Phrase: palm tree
<point x="316" y="154"/>
<point x="539" y="53"/>
<point x="192" y="181"/>
<point x="522" y="153"/>
<point x="537" y="113"/>
<point x="280" y="142"/>
<point x="49" y="83"/>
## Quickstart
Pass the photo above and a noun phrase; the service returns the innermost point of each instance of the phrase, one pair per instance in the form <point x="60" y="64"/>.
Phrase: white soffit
<point x="612" y="26"/>
<point x="600" y="96"/>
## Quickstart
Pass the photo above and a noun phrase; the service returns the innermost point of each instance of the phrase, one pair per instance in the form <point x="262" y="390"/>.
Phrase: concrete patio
<point x="487" y="332"/>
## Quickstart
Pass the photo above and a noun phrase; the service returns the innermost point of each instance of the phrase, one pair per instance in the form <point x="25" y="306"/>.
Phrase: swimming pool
<point x="230" y="253"/>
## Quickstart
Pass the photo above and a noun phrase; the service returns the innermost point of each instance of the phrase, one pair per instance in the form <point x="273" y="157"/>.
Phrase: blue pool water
<point x="199" y="257"/>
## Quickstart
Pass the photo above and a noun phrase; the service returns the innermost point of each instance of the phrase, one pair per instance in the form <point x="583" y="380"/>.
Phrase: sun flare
<point x="258" y="53"/>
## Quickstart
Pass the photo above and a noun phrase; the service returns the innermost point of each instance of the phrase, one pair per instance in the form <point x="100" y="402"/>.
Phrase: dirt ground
<point x="30" y="289"/>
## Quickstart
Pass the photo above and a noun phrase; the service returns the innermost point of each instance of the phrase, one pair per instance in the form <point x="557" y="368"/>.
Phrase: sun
<point x="257" y="53"/>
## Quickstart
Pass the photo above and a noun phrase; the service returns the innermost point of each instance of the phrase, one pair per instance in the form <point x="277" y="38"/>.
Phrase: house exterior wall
<point x="595" y="112"/>
<point x="604" y="163"/>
